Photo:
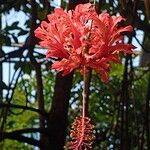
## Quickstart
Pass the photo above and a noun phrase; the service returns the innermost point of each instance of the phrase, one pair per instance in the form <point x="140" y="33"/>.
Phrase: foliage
<point x="118" y="109"/>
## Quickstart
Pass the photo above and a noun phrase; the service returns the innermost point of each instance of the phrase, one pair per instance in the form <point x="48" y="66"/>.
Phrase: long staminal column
<point x="81" y="133"/>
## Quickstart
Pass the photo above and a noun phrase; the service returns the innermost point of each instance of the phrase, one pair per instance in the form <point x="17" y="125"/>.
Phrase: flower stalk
<point x="84" y="94"/>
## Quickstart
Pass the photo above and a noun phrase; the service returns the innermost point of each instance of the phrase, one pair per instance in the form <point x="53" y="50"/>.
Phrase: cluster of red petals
<point x="81" y="134"/>
<point x="83" y="38"/>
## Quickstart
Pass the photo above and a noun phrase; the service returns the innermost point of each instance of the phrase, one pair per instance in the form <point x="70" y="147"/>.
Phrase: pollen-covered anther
<point x="81" y="134"/>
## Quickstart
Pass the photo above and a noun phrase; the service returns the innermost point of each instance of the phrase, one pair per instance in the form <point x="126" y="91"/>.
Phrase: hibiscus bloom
<point x="83" y="38"/>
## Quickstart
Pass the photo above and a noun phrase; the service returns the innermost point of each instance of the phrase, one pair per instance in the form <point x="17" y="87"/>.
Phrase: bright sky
<point x="57" y="2"/>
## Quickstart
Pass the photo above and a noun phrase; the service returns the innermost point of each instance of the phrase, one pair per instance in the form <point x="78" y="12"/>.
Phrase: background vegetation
<point x="37" y="105"/>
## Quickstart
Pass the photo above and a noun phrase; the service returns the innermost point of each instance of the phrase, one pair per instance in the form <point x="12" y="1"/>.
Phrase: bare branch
<point x="24" y="108"/>
<point x="15" y="135"/>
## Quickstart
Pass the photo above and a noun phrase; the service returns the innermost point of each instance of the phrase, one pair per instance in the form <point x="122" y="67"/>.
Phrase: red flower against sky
<point x="83" y="38"/>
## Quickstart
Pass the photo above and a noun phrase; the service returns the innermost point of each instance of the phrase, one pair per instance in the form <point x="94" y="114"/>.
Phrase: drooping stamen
<point x="81" y="134"/>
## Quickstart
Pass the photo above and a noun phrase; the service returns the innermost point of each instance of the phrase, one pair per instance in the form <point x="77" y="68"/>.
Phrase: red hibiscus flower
<point x="83" y="38"/>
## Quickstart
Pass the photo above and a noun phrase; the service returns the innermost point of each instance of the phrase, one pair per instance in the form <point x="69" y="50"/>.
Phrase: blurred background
<point x="37" y="105"/>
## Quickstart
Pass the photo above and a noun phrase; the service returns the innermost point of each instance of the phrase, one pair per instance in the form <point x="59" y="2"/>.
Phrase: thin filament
<point x="84" y="96"/>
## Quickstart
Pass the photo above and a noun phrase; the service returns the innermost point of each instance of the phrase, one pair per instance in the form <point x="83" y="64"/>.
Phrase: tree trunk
<point x="57" y="122"/>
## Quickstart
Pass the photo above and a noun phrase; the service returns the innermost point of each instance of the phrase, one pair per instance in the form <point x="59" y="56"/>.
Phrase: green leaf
<point x="3" y="85"/>
<point x="15" y="24"/>
<point x="26" y="67"/>
<point x="7" y="41"/>
<point x="117" y="70"/>
<point x="11" y="124"/>
<point x="22" y="32"/>
<point x="2" y="39"/>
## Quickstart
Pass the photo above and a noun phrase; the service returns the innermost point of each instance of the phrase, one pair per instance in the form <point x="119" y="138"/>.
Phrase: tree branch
<point x="15" y="135"/>
<point x="24" y="108"/>
<point x="37" y="67"/>
<point x="26" y="130"/>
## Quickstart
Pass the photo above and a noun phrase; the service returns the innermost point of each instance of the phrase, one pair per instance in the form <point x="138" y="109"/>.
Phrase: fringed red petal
<point x="83" y="34"/>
